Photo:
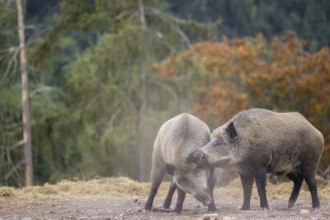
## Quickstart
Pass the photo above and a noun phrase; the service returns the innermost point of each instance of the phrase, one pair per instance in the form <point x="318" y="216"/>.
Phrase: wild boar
<point x="176" y="139"/>
<point x="259" y="141"/>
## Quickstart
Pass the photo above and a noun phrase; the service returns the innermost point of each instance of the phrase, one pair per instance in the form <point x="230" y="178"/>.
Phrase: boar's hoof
<point x="212" y="210"/>
<point x="177" y="211"/>
<point x="146" y="210"/>
<point x="290" y="204"/>
<point x="317" y="206"/>
<point x="316" y="209"/>
<point x="264" y="206"/>
<point x="245" y="207"/>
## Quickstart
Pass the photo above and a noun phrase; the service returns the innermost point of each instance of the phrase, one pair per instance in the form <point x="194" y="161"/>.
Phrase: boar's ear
<point x="231" y="130"/>
<point x="170" y="168"/>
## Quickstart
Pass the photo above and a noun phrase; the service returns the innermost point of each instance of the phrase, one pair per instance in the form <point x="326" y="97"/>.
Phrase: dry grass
<point x="277" y="191"/>
<point x="123" y="187"/>
<point x="114" y="187"/>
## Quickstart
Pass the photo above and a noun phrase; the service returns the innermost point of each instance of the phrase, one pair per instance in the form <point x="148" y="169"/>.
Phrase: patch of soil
<point x="123" y="198"/>
<point x="131" y="208"/>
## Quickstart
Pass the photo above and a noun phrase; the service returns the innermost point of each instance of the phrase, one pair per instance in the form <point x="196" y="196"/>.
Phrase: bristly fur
<point x="259" y="141"/>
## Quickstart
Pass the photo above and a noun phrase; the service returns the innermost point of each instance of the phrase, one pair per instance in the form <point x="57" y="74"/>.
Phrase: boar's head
<point x="220" y="151"/>
<point x="195" y="182"/>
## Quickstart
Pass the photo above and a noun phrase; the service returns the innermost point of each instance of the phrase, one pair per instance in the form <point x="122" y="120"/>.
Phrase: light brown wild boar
<point x="176" y="139"/>
<point x="259" y="141"/>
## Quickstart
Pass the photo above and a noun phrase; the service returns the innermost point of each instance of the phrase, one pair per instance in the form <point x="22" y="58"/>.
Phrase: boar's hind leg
<point x="261" y="177"/>
<point x="247" y="181"/>
<point x="168" y="199"/>
<point x="297" y="181"/>
<point x="180" y="200"/>
<point x="309" y="177"/>
<point x="157" y="175"/>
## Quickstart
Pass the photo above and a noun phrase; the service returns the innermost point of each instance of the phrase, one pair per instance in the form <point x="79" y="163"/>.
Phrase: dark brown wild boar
<point x="259" y="141"/>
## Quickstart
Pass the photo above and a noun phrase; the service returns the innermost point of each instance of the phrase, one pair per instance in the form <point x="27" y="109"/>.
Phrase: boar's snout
<point x="198" y="157"/>
<point x="205" y="198"/>
<point x="195" y="156"/>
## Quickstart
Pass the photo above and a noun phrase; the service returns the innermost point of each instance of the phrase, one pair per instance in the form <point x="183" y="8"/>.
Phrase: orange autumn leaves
<point x="235" y="74"/>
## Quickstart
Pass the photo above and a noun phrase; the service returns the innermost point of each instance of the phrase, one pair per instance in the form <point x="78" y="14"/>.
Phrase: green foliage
<point x="309" y="19"/>
<point x="107" y="78"/>
<point x="10" y="115"/>
<point x="86" y="89"/>
<point x="8" y="41"/>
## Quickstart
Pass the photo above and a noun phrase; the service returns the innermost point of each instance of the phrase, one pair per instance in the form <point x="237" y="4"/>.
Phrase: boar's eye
<point x="218" y="142"/>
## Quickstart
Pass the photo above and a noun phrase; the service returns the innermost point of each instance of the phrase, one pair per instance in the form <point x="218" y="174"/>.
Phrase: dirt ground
<point x="123" y="198"/>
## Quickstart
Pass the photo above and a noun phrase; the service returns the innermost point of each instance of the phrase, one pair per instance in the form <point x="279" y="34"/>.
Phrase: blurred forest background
<point x="104" y="77"/>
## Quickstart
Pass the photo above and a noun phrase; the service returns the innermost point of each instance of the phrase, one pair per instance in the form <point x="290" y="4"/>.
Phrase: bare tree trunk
<point x="25" y="99"/>
<point x="143" y="103"/>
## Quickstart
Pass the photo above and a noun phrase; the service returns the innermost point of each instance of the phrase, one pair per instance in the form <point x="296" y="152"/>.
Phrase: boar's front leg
<point x="157" y="174"/>
<point x="247" y="181"/>
<point x="168" y="199"/>
<point x="297" y="181"/>
<point x="212" y="207"/>
<point x="180" y="200"/>
<point x="261" y="177"/>
<point x="211" y="184"/>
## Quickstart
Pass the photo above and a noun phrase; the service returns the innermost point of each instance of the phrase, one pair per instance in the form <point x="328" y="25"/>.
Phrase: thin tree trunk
<point x="143" y="103"/>
<point x="25" y="99"/>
